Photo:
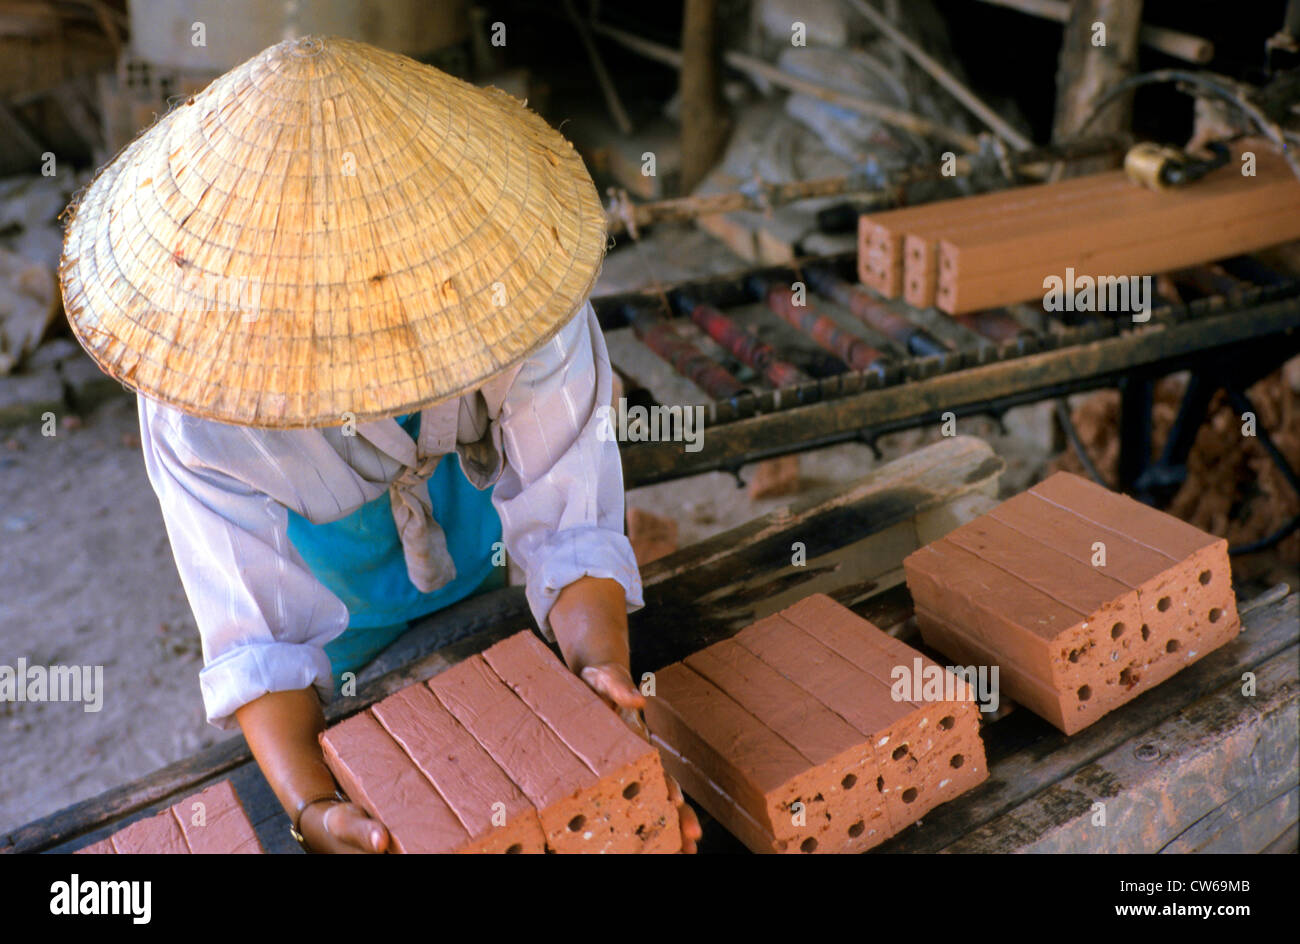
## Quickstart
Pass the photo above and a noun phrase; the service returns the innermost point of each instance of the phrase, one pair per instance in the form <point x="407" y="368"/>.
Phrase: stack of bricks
<point x="997" y="249"/>
<point x="795" y="737"/>
<point x="506" y="752"/>
<point x="898" y="249"/>
<point x="209" y="823"/>
<point x="1084" y="598"/>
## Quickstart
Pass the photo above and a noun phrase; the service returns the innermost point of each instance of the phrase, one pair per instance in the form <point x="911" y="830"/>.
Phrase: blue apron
<point x="359" y="558"/>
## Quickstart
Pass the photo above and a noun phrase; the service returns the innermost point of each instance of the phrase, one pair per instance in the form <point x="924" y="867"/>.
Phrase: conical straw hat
<point x="327" y="232"/>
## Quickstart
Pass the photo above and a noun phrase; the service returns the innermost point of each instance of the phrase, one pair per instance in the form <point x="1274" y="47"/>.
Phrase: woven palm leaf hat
<point x="330" y="231"/>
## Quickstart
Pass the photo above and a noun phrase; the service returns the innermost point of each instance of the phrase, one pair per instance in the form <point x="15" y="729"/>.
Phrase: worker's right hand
<point x="331" y="826"/>
<point x="283" y="732"/>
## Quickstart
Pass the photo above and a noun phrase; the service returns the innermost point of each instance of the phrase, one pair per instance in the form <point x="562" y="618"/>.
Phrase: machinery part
<point x="659" y="335"/>
<point x="1159" y="167"/>
<point x="852" y="350"/>
<point x="741" y="343"/>
<point x="912" y="338"/>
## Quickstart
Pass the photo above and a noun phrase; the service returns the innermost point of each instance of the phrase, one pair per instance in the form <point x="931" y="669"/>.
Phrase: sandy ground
<point x="87" y="578"/>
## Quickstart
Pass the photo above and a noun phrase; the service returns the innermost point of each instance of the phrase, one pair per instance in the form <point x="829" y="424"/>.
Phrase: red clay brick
<point x="798" y="707"/>
<point x="226" y="829"/>
<point x="775" y="477"/>
<point x="633" y="802"/>
<point x="1018" y="588"/>
<point x="573" y="803"/>
<point x="652" y="536"/>
<point x="943" y="736"/>
<point x="762" y="772"/>
<point x="864" y="700"/>
<point x="1135" y="565"/>
<point x="377" y="775"/>
<point x="220" y="827"/>
<point x="496" y="815"/>
<point x="156" y="835"/>
<point x="846" y="796"/>
<point x="505" y="752"/>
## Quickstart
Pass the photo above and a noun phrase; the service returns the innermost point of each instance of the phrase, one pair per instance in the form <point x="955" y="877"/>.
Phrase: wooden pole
<point x="622" y="215"/>
<point x="705" y="125"/>
<point x="945" y="78"/>
<point x="1170" y="42"/>
<point x="1091" y="62"/>
<point x="607" y="89"/>
<point x="770" y="73"/>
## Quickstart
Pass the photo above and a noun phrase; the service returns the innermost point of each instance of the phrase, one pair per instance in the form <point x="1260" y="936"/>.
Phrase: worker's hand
<point x="590" y="623"/>
<point x="282" y="730"/>
<point x="613" y="683"/>
<point x="330" y="826"/>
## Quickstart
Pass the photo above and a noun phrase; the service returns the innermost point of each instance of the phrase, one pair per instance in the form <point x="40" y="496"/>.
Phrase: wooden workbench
<point x="1192" y="765"/>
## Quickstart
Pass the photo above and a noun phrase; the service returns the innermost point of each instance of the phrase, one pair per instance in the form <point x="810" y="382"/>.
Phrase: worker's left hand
<point x="613" y="682"/>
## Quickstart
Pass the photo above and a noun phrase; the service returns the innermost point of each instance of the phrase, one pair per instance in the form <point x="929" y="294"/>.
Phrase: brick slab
<point x="1075" y="636"/>
<point x="799" y="708"/>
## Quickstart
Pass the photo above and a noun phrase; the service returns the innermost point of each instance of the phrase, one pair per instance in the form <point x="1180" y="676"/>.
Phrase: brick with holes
<point x="506" y="752"/>
<point x="1083" y="597"/>
<point x="380" y="777"/>
<point x="596" y="785"/>
<point x="630" y="809"/>
<point x="794" y="735"/>
<point x="496" y="815"/>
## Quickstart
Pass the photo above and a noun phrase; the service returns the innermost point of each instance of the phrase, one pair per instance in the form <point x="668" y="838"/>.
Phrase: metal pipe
<point x="659" y="335"/>
<point x="742" y="344"/>
<point x="992" y="323"/>
<point x="912" y="338"/>
<point x="849" y="348"/>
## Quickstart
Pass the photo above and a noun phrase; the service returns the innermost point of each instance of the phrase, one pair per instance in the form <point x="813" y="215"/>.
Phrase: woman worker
<point x="351" y="294"/>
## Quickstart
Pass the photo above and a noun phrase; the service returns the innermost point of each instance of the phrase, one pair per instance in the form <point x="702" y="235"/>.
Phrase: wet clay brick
<point x="378" y="776"/>
<point x="775" y="477"/>
<point x="1075" y="636"/>
<point x="505" y="752"/>
<point x="214" y="822"/>
<point x="632" y="804"/>
<point x="859" y="689"/>
<point x="845" y="796"/>
<point x="939" y="752"/>
<point x="751" y="764"/>
<point x="579" y="810"/>
<point x="798" y="709"/>
<point x="496" y="815"/>
<point x="652" y="536"/>
<point x="218" y="827"/>
<point x="157" y="835"/>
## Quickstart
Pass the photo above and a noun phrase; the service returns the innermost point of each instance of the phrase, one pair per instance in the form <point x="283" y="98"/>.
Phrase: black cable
<point x="1241" y="403"/>
<point x="1072" y="434"/>
<point x="1222" y="86"/>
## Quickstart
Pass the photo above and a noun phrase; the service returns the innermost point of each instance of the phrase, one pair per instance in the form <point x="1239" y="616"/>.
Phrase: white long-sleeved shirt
<point x="264" y="618"/>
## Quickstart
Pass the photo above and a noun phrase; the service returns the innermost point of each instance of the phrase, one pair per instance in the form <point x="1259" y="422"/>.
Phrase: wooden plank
<point x="855" y="539"/>
<point x="1027" y="757"/>
<point x="1242" y="832"/>
<point x="1222" y="749"/>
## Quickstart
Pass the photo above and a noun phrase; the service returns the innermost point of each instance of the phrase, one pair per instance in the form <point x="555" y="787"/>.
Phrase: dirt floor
<point x="88" y="576"/>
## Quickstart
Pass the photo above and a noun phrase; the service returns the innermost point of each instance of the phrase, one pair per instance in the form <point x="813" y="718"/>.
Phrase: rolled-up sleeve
<point x="560" y="496"/>
<point x="263" y="616"/>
